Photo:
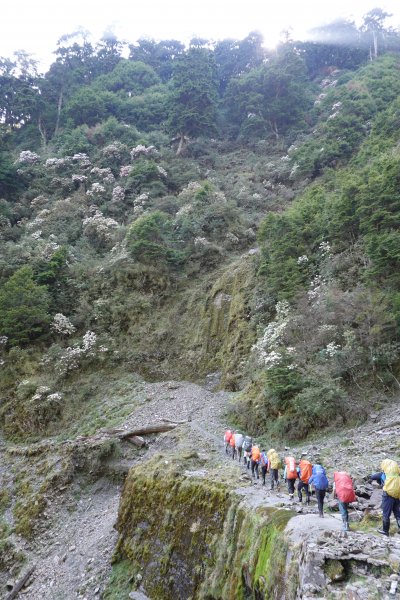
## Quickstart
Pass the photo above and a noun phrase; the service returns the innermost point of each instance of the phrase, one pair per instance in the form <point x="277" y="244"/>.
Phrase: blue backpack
<point x="319" y="478"/>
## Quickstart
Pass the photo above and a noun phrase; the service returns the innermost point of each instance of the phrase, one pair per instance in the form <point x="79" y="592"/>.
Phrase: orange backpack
<point x="232" y="441"/>
<point x="305" y="470"/>
<point x="255" y="453"/>
<point x="291" y="471"/>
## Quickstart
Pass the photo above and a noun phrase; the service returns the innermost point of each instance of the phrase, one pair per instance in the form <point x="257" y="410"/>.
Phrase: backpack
<point x="238" y="440"/>
<point x="320" y="479"/>
<point x="392" y="481"/>
<point x="227" y="436"/>
<point x="247" y="443"/>
<point x="291" y="471"/>
<point x="274" y="459"/>
<point x="255" y="453"/>
<point x="344" y="487"/>
<point x="305" y="470"/>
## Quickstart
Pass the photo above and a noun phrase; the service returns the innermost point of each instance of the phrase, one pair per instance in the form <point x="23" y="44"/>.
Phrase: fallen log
<point x="147" y="430"/>
<point x="20" y="584"/>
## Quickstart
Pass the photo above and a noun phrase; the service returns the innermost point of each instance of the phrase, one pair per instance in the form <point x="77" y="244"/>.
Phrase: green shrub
<point x="151" y="240"/>
<point x="23" y="308"/>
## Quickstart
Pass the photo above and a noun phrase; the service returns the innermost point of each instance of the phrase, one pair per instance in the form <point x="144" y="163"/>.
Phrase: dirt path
<point x="73" y="552"/>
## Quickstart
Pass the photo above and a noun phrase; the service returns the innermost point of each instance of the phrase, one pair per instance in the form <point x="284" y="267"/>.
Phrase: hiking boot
<point x="290" y="496"/>
<point x="383" y="532"/>
<point x="385" y="528"/>
<point x="321" y="514"/>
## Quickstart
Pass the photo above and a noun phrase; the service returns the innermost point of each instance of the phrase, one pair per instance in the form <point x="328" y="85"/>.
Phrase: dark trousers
<point x="274" y="478"/>
<point x="263" y="473"/>
<point x="290" y="485"/>
<point x="239" y="451"/>
<point x="233" y="452"/>
<point x="390" y="505"/>
<point x="320" y="494"/>
<point x="303" y="486"/>
<point x="254" y="467"/>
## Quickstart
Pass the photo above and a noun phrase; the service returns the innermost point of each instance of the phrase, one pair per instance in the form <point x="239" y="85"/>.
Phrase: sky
<point x="36" y="26"/>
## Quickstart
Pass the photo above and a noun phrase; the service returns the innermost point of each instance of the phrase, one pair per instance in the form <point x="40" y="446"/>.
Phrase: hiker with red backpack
<point x="290" y="474"/>
<point x="321" y="484"/>
<point x="227" y="438"/>
<point x="305" y="472"/>
<point x="343" y="490"/>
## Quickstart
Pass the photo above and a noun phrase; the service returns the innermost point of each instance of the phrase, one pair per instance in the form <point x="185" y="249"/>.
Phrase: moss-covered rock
<point x="192" y="538"/>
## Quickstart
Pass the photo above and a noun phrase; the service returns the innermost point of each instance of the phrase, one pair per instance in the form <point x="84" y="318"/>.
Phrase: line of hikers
<point x="307" y="474"/>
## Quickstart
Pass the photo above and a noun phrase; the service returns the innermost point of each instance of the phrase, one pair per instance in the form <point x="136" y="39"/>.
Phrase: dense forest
<point x="176" y="211"/>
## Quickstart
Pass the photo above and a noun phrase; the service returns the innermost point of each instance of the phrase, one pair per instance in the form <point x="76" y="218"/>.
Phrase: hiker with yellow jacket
<point x="274" y="465"/>
<point x="389" y="477"/>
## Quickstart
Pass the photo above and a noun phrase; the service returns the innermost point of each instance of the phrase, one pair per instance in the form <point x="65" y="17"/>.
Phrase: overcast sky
<point x="36" y="25"/>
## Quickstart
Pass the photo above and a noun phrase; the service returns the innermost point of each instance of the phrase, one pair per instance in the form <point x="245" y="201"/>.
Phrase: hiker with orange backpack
<point x="227" y="438"/>
<point x="255" y="460"/>
<point x="305" y="472"/>
<point x="390" y="478"/>
<point x="343" y="490"/>
<point x="290" y="474"/>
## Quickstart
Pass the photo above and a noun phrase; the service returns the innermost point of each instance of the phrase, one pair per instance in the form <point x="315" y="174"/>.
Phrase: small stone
<point x="71" y="548"/>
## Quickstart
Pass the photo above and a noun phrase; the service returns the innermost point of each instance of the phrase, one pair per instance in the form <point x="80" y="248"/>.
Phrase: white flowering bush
<point x="125" y="171"/>
<point x="96" y="190"/>
<point x="62" y="325"/>
<point x="114" y="151"/>
<point x="269" y="350"/>
<point x="118" y="194"/>
<point x="141" y="150"/>
<point x="29" y="158"/>
<point x="71" y="358"/>
<point x="82" y="159"/>
<point x="99" y="229"/>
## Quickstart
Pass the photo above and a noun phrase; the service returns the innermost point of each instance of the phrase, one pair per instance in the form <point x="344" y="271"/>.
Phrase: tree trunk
<point x="42" y="132"/>
<point x="59" y="107"/>
<point x="181" y="144"/>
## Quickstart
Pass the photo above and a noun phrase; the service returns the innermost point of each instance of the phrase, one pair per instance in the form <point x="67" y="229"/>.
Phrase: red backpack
<point x="344" y="487"/>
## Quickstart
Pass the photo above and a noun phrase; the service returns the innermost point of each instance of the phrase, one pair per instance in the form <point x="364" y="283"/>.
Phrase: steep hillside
<point x="225" y="217"/>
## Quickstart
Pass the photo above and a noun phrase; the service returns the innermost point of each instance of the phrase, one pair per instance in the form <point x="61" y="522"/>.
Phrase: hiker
<point x="321" y="484"/>
<point x="247" y="444"/>
<point x="264" y="462"/>
<point x="390" y="477"/>
<point x="239" y="438"/>
<point x="274" y="464"/>
<point x="255" y="460"/>
<point x="343" y="490"/>
<point x="227" y="438"/>
<point x="305" y="472"/>
<point x="290" y="474"/>
<point x="232" y="444"/>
